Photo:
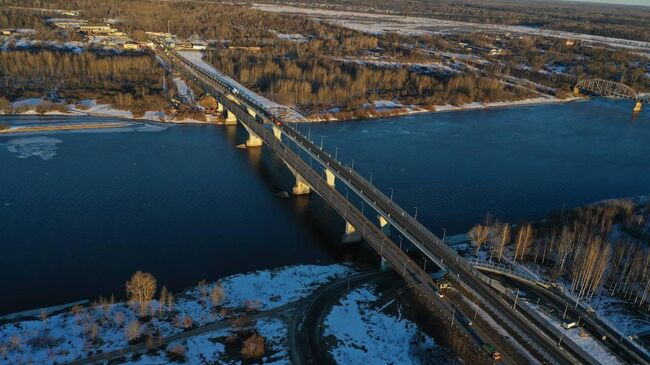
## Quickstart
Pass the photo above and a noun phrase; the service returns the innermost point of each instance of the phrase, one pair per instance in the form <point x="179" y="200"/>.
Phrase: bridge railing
<point x="507" y="268"/>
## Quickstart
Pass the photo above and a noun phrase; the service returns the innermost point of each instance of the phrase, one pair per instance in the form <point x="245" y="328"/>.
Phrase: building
<point x="200" y="45"/>
<point x="97" y="29"/>
<point x="131" y="45"/>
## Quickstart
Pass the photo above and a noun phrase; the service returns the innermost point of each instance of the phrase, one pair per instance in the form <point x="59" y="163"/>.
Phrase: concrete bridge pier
<point x="230" y="118"/>
<point x="301" y="187"/>
<point x="277" y="132"/>
<point x="220" y="108"/>
<point x="330" y="178"/>
<point x="351" y="235"/>
<point x="232" y="98"/>
<point x="637" y="107"/>
<point x="252" y="113"/>
<point x="384" y="225"/>
<point x="253" y="139"/>
<point x="384" y="265"/>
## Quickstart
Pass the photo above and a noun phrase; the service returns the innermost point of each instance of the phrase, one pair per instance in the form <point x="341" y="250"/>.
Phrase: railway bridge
<point x="264" y="127"/>
<point x="611" y="88"/>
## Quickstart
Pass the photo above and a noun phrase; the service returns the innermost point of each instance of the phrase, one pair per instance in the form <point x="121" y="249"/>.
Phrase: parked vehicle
<point x="569" y="325"/>
<point x="492" y="351"/>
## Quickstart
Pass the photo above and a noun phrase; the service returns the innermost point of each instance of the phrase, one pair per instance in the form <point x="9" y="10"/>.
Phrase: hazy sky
<point x="626" y="2"/>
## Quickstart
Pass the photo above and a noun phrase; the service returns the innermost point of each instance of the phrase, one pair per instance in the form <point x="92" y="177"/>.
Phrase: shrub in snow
<point x="253" y="347"/>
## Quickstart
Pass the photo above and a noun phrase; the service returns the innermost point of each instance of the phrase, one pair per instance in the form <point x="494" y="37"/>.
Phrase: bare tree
<point x="478" y="235"/>
<point x="217" y="294"/>
<point x="503" y="239"/>
<point x="140" y="290"/>
<point x="524" y="240"/>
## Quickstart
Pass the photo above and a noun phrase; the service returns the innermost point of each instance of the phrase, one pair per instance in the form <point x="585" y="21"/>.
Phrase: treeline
<point x="315" y="83"/>
<point x="594" y="247"/>
<point x="128" y="81"/>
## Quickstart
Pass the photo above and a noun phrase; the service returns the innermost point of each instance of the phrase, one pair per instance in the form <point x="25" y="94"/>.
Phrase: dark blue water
<point x="80" y="212"/>
<point x="518" y="163"/>
<point x="182" y="203"/>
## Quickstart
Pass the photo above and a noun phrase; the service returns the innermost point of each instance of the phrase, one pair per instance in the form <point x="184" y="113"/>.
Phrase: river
<point x="81" y="212"/>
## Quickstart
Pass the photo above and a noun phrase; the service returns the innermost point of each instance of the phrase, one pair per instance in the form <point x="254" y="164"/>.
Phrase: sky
<point x="620" y="2"/>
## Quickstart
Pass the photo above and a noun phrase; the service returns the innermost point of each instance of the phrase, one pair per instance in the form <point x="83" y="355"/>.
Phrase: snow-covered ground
<point x="68" y="336"/>
<point x="386" y="105"/>
<point x="364" y="334"/>
<point x="92" y="108"/>
<point x="381" y="23"/>
<point x="430" y="67"/>
<point x="210" y="348"/>
<point x="586" y="340"/>
<point x="184" y="91"/>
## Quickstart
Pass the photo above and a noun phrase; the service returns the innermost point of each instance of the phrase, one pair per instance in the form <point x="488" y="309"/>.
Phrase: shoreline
<point x="466" y="107"/>
<point x="121" y="115"/>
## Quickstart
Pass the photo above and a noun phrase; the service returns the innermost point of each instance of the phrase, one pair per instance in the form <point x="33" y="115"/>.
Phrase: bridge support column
<point x="351" y="235"/>
<point x="253" y="139"/>
<point x="576" y="91"/>
<point x="233" y="98"/>
<point x="330" y="178"/>
<point x="384" y="265"/>
<point x="251" y="112"/>
<point x="384" y="225"/>
<point x="277" y="132"/>
<point x="637" y="107"/>
<point x="301" y="187"/>
<point x="230" y="118"/>
<point x="220" y="108"/>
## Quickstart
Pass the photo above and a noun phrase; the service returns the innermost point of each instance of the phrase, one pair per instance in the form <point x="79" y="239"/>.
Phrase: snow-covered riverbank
<point x="106" y="326"/>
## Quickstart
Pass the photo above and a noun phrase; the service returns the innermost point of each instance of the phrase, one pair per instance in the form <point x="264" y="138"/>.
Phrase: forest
<point x="128" y="81"/>
<point x="313" y="84"/>
<point x="596" y="249"/>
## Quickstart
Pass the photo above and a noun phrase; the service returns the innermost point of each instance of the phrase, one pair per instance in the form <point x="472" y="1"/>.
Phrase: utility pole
<point x="514" y="306"/>
<point x="452" y="318"/>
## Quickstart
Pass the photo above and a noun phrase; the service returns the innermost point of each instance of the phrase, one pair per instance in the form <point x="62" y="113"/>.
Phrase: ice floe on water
<point x="43" y="147"/>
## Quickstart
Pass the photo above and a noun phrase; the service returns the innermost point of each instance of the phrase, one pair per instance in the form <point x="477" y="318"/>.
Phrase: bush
<point x="253" y="347"/>
<point x="176" y="352"/>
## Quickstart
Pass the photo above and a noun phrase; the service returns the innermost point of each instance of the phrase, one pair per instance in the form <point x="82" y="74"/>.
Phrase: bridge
<point x="266" y="128"/>
<point x="611" y="88"/>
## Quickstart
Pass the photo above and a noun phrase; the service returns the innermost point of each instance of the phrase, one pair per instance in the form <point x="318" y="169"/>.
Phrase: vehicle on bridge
<point x="492" y="351"/>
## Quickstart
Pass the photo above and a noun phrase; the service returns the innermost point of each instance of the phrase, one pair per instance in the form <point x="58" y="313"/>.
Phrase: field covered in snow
<point x="364" y="334"/>
<point x="106" y="326"/>
<point x="408" y="25"/>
